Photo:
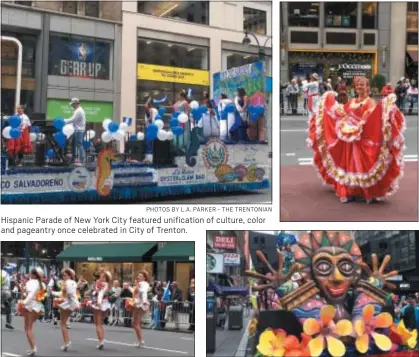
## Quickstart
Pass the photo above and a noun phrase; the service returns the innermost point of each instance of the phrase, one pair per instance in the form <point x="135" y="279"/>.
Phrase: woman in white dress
<point x="100" y="304"/>
<point x="32" y="306"/>
<point x="141" y="305"/>
<point x="67" y="302"/>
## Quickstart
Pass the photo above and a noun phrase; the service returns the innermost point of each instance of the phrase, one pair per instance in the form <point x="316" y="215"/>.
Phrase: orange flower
<point x="78" y="296"/>
<point x="365" y="328"/>
<point x="295" y="348"/>
<point x="20" y="307"/>
<point x="129" y="304"/>
<point x="41" y="295"/>
<point x="327" y="330"/>
<point x="276" y="343"/>
<point x="252" y="327"/>
<point x="400" y="335"/>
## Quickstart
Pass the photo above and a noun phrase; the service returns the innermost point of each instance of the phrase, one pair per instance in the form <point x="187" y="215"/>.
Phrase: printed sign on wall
<point x="225" y="242"/>
<point x="231" y="259"/>
<point x="215" y="263"/>
<point x="96" y="112"/>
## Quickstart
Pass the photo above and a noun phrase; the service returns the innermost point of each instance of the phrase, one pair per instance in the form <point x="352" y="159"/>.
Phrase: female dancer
<point x="141" y="304"/>
<point x="238" y="130"/>
<point x="22" y="145"/>
<point x="32" y="307"/>
<point x="67" y="302"/>
<point x="182" y="105"/>
<point x="358" y="147"/>
<point x="101" y="305"/>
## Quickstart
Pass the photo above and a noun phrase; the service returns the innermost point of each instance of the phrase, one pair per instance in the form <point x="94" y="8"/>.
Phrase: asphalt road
<point x="119" y="342"/>
<point x="304" y="198"/>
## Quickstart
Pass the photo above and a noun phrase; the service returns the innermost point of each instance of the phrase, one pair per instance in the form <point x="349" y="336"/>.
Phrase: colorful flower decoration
<point x="400" y="335"/>
<point x="129" y="304"/>
<point x="252" y="327"/>
<point x="365" y="328"/>
<point x="327" y="330"/>
<point x="41" y="295"/>
<point x="276" y="343"/>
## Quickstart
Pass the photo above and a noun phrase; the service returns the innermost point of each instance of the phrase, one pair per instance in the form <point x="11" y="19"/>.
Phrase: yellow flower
<point x="252" y="327"/>
<point x="271" y="344"/>
<point x="408" y="338"/>
<point x="365" y="328"/>
<point x="327" y="330"/>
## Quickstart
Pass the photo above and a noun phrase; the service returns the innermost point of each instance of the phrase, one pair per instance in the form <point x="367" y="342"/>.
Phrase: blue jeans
<point x="78" y="149"/>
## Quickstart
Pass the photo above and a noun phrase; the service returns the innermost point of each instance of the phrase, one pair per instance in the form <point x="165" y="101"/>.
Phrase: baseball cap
<point x="74" y="101"/>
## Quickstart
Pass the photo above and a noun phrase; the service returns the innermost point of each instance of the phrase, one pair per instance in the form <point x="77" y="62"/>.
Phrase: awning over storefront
<point x="176" y="251"/>
<point x="227" y="290"/>
<point x="106" y="252"/>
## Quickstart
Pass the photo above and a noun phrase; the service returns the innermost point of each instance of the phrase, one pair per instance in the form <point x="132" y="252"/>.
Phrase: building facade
<point x="348" y="39"/>
<point x="195" y="39"/>
<point x="70" y="49"/>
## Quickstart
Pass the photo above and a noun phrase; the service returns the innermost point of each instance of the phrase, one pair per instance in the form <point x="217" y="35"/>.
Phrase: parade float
<point x="338" y="306"/>
<point x="212" y="162"/>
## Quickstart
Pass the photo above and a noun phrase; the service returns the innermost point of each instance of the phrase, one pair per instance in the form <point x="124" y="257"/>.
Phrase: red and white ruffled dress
<point x="23" y="144"/>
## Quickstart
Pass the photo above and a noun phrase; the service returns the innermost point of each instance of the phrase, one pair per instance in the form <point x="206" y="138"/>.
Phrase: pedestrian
<point x="191" y="302"/>
<point x="400" y="93"/>
<point x="142" y="305"/>
<point x="126" y="294"/>
<point x="6" y="298"/>
<point x="67" y="302"/>
<point x="283" y="95"/>
<point x="412" y="95"/>
<point x="16" y="148"/>
<point x="293" y="91"/>
<point x="100" y="304"/>
<point x="409" y="314"/>
<point x="177" y="303"/>
<point x="79" y="123"/>
<point x="32" y="306"/>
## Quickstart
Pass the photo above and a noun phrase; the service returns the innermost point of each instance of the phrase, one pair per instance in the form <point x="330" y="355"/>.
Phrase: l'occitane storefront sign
<point x="151" y="72"/>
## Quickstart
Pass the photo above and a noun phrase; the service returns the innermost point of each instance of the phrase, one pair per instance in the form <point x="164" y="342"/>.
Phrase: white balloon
<point x="33" y="136"/>
<point x="161" y="135"/>
<point x="194" y="104"/>
<point x="41" y="136"/>
<point x="90" y="134"/>
<point x="6" y="132"/>
<point x="159" y="123"/>
<point x="106" y="136"/>
<point x="68" y="130"/>
<point x="169" y="135"/>
<point x="183" y="118"/>
<point x="106" y="123"/>
<point x="140" y="136"/>
<point x="119" y="135"/>
<point x="123" y="126"/>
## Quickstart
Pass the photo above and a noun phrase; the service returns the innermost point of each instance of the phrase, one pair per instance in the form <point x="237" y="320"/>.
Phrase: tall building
<point x="70" y="49"/>
<point x="348" y="39"/>
<point x="193" y="38"/>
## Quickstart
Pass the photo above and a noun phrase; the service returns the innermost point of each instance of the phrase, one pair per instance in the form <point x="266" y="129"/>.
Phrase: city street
<point x="305" y="198"/>
<point x="119" y="341"/>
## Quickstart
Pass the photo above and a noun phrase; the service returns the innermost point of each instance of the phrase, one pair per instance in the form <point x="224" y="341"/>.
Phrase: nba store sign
<point x="225" y="242"/>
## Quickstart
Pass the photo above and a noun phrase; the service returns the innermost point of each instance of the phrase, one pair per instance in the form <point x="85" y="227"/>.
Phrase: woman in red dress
<point x="358" y="147"/>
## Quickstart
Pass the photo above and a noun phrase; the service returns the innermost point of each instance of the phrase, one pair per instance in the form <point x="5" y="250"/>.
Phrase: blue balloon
<point x="50" y="154"/>
<point x="59" y="123"/>
<point x="178" y="130"/>
<point x="158" y="117"/>
<point x="175" y="114"/>
<point x="60" y="139"/>
<point x="224" y="115"/>
<point x="15" y="121"/>
<point x="15" y="133"/>
<point x="195" y="113"/>
<point x="173" y="122"/>
<point x="133" y="137"/>
<point x="36" y="130"/>
<point x="203" y="109"/>
<point x="113" y="127"/>
<point x="153" y="128"/>
<point x="87" y="144"/>
<point x="162" y="111"/>
<point x="230" y="108"/>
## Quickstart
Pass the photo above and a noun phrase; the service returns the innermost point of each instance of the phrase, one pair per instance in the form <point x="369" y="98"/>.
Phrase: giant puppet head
<point x="333" y="260"/>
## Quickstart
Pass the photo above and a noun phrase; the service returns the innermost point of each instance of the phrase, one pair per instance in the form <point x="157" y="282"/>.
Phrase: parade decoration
<point x="13" y="131"/>
<point x="104" y="175"/>
<point x="115" y="131"/>
<point x="330" y="265"/>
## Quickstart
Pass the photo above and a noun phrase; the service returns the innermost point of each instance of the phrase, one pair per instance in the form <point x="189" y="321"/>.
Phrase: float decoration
<point x="13" y="131"/>
<point x="115" y="131"/>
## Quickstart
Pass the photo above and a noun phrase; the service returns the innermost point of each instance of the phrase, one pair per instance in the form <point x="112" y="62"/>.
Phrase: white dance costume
<point x="69" y="294"/>
<point x="33" y="289"/>
<point x="141" y="298"/>
<point x="225" y="125"/>
<point x="100" y="297"/>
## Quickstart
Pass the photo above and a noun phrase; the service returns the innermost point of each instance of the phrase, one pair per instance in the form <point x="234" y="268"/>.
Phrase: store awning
<point x="176" y="251"/>
<point x="227" y="290"/>
<point x="106" y="252"/>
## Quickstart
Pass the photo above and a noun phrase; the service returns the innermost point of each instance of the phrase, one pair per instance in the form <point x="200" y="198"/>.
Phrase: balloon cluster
<point x="197" y="111"/>
<point x="229" y="108"/>
<point x="115" y="131"/>
<point x="62" y="135"/>
<point x="13" y="131"/>
<point x="255" y="111"/>
<point x="155" y="130"/>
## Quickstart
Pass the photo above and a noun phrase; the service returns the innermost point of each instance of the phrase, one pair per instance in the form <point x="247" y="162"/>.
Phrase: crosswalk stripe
<point x="7" y="354"/>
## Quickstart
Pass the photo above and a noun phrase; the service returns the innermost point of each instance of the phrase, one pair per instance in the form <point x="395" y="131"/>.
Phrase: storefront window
<point x="190" y="11"/>
<point x="369" y="15"/>
<point x="412" y="38"/>
<point x="340" y="14"/>
<point x="254" y="21"/>
<point x="304" y="14"/>
<point x="92" y="8"/>
<point x="237" y="59"/>
<point x="73" y="56"/>
<point x="412" y="6"/>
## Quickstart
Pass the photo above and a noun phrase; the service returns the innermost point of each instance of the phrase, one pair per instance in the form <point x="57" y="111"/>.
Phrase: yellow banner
<point x="151" y="72"/>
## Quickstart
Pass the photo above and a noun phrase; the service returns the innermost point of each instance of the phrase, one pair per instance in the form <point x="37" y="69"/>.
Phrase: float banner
<point x="215" y="263"/>
<point x="231" y="259"/>
<point x="151" y="72"/>
<point x="181" y="176"/>
<point x="225" y="242"/>
<point x="96" y="112"/>
<point x="251" y="77"/>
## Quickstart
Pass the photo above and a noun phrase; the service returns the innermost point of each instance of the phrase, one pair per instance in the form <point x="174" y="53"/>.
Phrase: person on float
<point x="387" y="89"/>
<point x="238" y="130"/>
<point x="191" y="301"/>
<point x="79" y="122"/>
<point x="141" y="305"/>
<point x="227" y="123"/>
<point x="32" y="306"/>
<point x="16" y="148"/>
<point x="182" y="105"/>
<point x="358" y="147"/>
<point x="67" y="302"/>
<point x="150" y="118"/>
<point x="312" y="89"/>
<point x="6" y="298"/>
<point x="209" y="123"/>
<point x="100" y="304"/>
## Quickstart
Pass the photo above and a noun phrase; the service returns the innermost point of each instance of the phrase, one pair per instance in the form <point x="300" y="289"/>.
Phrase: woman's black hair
<point x="241" y="92"/>
<point x="183" y="94"/>
<point x="223" y="96"/>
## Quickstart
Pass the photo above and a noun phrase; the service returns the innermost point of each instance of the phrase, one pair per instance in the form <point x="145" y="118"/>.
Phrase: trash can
<point x="211" y="322"/>
<point x="235" y="317"/>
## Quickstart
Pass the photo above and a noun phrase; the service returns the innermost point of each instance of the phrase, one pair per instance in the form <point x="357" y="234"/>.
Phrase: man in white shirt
<point x="79" y="122"/>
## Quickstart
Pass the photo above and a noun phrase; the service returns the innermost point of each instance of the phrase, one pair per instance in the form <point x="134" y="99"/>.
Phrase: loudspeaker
<point x="267" y="243"/>
<point x="40" y="153"/>
<point x="135" y="150"/>
<point x="162" y="153"/>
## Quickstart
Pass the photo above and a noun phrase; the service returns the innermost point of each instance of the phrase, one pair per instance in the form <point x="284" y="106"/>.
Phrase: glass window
<point x="254" y="21"/>
<point x="340" y="14"/>
<point x="25" y="3"/>
<point x="412" y="38"/>
<point x="172" y="54"/>
<point x="412" y="21"/>
<point x="9" y="55"/>
<point x="303" y="14"/>
<point x="70" y="7"/>
<point x="412" y="6"/>
<point x="79" y="57"/>
<point x="369" y="15"/>
<point x="238" y="59"/>
<point x="190" y="11"/>
<point x="92" y="8"/>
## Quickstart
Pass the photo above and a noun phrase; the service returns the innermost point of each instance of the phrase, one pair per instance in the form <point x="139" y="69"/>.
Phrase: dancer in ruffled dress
<point x="67" y="302"/>
<point x="312" y="90"/>
<point x="141" y="305"/>
<point x="32" y="306"/>
<point x="100" y="304"/>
